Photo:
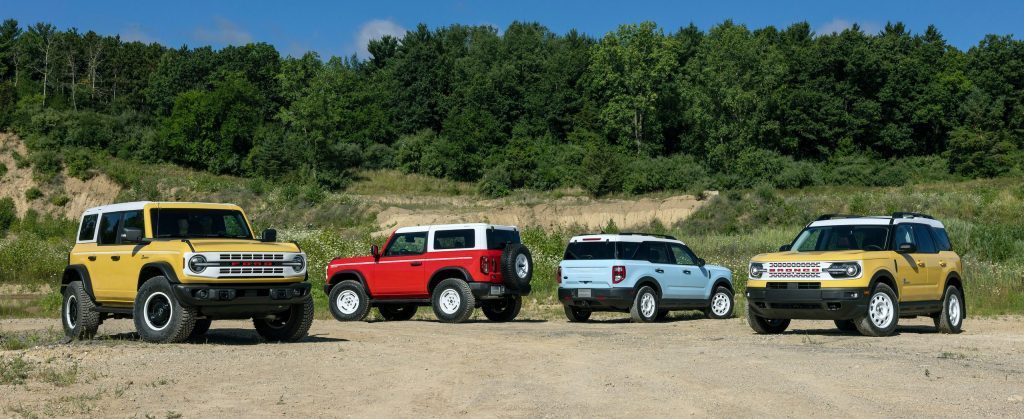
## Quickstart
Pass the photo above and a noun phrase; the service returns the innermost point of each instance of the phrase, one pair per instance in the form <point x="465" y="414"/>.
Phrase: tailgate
<point x="586" y="274"/>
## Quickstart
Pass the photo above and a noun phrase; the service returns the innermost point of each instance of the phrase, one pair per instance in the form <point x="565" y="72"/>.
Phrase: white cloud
<point x="134" y="32"/>
<point x="376" y="29"/>
<point x="225" y="32"/>
<point x="838" y="25"/>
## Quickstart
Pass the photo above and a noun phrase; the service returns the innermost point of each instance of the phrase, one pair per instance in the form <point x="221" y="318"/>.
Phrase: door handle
<point x="660" y="271"/>
<point x="92" y="258"/>
<point x="115" y="258"/>
<point x="416" y="263"/>
<point x="686" y="271"/>
<point x="920" y="263"/>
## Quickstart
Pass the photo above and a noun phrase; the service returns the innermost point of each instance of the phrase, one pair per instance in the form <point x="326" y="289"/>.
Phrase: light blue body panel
<point x="675" y="282"/>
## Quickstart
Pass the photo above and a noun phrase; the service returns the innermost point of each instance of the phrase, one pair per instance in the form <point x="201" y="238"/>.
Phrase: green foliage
<point x="59" y="200"/>
<point x="677" y="173"/>
<point x="46" y="164"/>
<point x="20" y="161"/>
<point x="79" y="163"/>
<point x="3" y="170"/>
<point x="8" y="214"/>
<point x="14" y="370"/>
<point x="33" y="193"/>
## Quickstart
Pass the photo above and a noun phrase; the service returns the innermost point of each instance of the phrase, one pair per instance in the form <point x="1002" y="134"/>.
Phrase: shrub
<point x="33" y="193"/>
<point x="8" y="214"/>
<point x="79" y="163"/>
<point x="20" y="161"/>
<point x="676" y="173"/>
<point x="46" y="164"/>
<point x="495" y="183"/>
<point x="3" y="170"/>
<point x="59" y="200"/>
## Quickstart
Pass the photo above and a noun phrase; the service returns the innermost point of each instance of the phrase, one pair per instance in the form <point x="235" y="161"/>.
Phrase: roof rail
<point x="633" y="233"/>
<point x="911" y="215"/>
<point x="834" y="216"/>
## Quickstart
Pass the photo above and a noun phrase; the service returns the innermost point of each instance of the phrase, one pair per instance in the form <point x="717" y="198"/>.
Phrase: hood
<point x="829" y="255"/>
<point x="239" y="245"/>
<point x="718" y="269"/>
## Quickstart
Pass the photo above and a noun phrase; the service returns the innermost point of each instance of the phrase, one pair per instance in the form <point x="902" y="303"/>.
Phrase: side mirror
<point x="906" y="248"/>
<point x="131" y="235"/>
<point x="269" y="236"/>
<point x="701" y="262"/>
<point x="785" y="248"/>
<point x="375" y="251"/>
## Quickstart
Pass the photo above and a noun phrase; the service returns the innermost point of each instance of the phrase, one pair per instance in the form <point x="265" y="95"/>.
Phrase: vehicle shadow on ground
<point x="919" y="330"/>
<point x="227" y="337"/>
<point x="470" y="321"/>
<point x="672" y="318"/>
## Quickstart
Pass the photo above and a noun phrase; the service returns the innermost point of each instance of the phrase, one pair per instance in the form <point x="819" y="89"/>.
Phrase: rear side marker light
<point x="618" y="274"/>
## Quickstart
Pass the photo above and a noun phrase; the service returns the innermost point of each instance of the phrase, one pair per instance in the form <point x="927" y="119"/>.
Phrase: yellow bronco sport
<point x="865" y="273"/>
<point x="174" y="267"/>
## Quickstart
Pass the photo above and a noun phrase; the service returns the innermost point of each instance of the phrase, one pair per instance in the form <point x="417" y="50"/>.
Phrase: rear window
<point x="454" y="239"/>
<point x="497" y="239"/>
<point x="595" y="250"/>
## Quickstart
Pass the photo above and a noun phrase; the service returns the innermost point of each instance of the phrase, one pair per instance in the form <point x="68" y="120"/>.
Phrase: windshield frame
<point x="888" y="237"/>
<point x="154" y="218"/>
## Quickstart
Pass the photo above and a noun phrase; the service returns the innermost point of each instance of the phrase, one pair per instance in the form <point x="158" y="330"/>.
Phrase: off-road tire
<point x="637" y="313"/>
<point x="577" y="314"/>
<point x="517" y="267"/>
<point x="846" y="325"/>
<point x="290" y="326"/>
<point x="78" y="313"/>
<point x="397" y="312"/>
<point x="763" y="326"/>
<point x="502" y="310"/>
<point x="199" y="330"/>
<point x="176" y="326"/>
<point x="726" y="298"/>
<point x="662" y="315"/>
<point x="864" y="321"/>
<point x="458" y="303"/>
<point x="348" y="301"/>
<point x="948" y="321"/>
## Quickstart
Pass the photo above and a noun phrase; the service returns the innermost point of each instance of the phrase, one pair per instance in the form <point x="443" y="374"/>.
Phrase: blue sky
<point x="342" y="28"/>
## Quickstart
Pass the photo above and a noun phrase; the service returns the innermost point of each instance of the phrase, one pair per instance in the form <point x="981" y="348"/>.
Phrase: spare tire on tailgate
<point x="517" y="267"/>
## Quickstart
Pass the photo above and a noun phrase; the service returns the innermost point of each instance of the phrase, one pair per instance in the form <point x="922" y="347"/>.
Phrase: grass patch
<point x="24" y="340"/>
<point x="393" y="182"/>
<point x="60" y="376"/>
<point x="14" y="370"/>
<point x="952" y="355"/>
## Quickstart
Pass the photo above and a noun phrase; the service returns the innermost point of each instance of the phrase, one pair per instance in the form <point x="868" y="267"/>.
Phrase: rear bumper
<point x="491" y="290"/>
<point x="813" y="304"/>
<point x="609" y="299"/>
<point x="241" y="300"/>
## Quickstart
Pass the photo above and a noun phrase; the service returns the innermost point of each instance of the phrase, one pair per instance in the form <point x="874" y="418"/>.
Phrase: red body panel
<point x="408" y="276"/>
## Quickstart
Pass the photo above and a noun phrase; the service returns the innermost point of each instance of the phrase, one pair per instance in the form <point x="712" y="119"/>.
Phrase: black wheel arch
<point x="77" y="273"/>
<point x="346" y="275"/>
<point x="154" y="269"/>
<point x="885" y="277"/>
<point x="954" y="279"/>
<point x="647" y="281"/>
<point x="446" y="272"/>
<point x="724" y="283"/>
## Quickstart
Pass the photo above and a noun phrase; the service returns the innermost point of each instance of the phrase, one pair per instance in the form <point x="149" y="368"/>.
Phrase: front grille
<point x="793" y="275"/>
<point x="797" y="285"/>
<point x="252" y="256"/>
<point x="247" y="270"/>
<point x="794" y="264"/>
<point x="796" y="306"/>
<point x="778" y="285"/>
<point x="808" y="285"/>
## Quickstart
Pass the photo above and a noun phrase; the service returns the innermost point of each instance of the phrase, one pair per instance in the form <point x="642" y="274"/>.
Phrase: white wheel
<point x="647" y="305"/>
<point x="347" y="302"/>
<point x="880" y="309"/>
<point x="954" y="310"/>
<point x="721" y="304"/>
<point x="522" y="266"/>
<point x="71" y="311"/>
<point x="450" y="301"/>
<point x="158" y="311"/>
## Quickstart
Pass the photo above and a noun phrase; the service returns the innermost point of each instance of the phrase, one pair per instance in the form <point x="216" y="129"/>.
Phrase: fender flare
<point x="884" y="273"/>
<point x="165" y="269"/>
<point x="951" y="277"/>
<point x="359" y="277"/>
<point x="724" y="282"/>
<point x="77" y="272"/>
<point x="435" y="278"/>
<point x="645" y="280"/>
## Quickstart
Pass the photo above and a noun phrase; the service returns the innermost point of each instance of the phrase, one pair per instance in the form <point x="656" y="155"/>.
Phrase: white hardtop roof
<point x="622" y="238"/>
<point x="876" y="220"/>
<point x="414" y="229"/>
<point x="138" y="205"/>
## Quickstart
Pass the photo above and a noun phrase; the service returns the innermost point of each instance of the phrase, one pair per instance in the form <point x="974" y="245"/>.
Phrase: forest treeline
<point x="639" y="109"/>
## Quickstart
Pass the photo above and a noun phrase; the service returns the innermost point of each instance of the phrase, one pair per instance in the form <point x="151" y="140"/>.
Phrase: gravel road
<point x="538" y="368"/>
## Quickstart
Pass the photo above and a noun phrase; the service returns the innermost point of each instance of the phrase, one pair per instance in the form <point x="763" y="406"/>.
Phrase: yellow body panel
<point x="918" y="276"/>
<point x="115" y="282"/>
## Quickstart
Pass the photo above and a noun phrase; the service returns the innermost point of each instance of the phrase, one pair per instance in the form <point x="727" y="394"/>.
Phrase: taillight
<point x="485" y="264"/>
<point x="558" y="276"/>
<point x="618" y="274"/>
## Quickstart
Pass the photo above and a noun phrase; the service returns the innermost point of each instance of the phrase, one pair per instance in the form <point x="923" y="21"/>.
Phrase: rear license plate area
<point x="583" y="293"/>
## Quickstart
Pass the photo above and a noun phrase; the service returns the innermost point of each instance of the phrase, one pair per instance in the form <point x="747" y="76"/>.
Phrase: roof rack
<point x="911" y="215"/>
<point x="834" y="216"/>
<point x="633" y="233"/>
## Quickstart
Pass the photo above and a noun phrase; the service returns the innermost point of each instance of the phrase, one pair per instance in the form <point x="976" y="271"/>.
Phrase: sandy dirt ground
<point x="533" y="368"/>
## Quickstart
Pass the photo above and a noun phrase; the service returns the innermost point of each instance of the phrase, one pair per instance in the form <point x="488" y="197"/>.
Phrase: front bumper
<point x="813" y="304"/>
<point x="241" y="300"/>
<point x="608" y="299"/>
<point x="490" y="290"/>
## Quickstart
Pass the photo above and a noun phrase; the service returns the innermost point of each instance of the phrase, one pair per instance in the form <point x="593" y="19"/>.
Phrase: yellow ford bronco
<point x="174" y="267"/>
<point x="864" y="273"/>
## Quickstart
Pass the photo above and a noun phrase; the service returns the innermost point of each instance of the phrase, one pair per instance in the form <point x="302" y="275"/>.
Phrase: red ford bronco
<point x="453" y="268"/>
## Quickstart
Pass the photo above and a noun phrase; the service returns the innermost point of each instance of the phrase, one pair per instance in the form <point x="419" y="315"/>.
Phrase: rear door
<point x="687" y="277"/>
<point x="914" y="270"/>
<point x="400" y="267"/>
<point x="588" y="264"/>
<point x="661" y="264"/>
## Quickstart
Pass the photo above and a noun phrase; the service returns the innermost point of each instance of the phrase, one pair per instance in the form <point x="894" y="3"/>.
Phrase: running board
<point x="114" y="310"/>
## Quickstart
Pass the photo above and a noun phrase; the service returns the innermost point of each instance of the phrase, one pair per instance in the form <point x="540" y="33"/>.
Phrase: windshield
<point x="842" y="237"/>
<point x="191" y="223"/>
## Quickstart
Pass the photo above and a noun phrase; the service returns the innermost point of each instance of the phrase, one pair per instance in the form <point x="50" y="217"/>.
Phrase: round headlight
<point x="194" y="264"/>
<point x="298" y="263"/>
<point x="756" y="270"/>
<point x="852" y="270"/>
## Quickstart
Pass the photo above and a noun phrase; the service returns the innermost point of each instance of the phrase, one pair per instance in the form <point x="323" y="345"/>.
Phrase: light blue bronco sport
<point x="644" y="274"/>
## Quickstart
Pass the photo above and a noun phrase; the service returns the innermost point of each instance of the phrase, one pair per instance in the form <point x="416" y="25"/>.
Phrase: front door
<point x="916" y="271"/>
<point x="399" y="271"/>
<point x="692" y="284"/>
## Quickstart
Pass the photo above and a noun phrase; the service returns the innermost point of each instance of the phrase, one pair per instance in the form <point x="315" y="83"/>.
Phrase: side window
<point x="109" y="224"/>
<point x="627" y="250"/>
<point x="654" y="252"/>
<point x="682" y="255"/>
<point x="942" y="243"/>
<point x="88" y="229"/>
<point x="904" y="234"/>
<point x="923" y="237"/>
<point x="454" y="239"/>
<point x="133" y="219"/>
<point x="407" y="244"/>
